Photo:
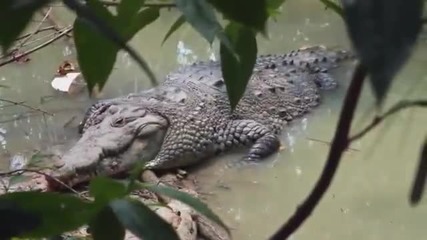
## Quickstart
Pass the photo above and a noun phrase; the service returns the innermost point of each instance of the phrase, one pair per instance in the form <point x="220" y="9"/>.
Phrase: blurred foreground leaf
<point x="105" y="225"/>
<point x="191" y="201"/>
<point x="51" y="213"/>
<point x="383" y="33"/>
<point x="237" y="70"/>
<point x="14" y="17"/>
<point x="141" y="220"/>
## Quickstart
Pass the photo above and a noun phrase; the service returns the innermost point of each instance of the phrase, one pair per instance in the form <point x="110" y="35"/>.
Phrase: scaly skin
<point x="188" y="118"/>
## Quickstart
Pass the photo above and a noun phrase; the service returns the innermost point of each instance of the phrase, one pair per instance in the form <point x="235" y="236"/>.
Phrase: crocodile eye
<point x="119" y="122"/>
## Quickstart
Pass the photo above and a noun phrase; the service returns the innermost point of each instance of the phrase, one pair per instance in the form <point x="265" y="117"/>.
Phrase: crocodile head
<point x="115" y="137"/>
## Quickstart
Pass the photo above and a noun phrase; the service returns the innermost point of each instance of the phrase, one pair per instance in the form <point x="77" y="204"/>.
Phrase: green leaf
<point x="88" y="15"/>
<point x="105" y="225"/>
<point x="272" y="7"/>
<point x="57" y="212"/>
<point x="141" y="220"/>
<point x="14" y="17"/>
<point x="420" y="179"/>
<point x="238" y="71"/>
<point x="127" y="9"/>
<point x="95" y="53"/>
<point x="106" y="189"/>
<point x="16" y="221"/>
<point x="383" y="33"/>
<point x="140" y="20"/>
<point x="332" y="5"/>
<point x="201" y="16"/>
<point x="2" y="85"/>
<point x="274" y="4"/>
<point x="185" y="198"/>
<point x="250" y="13"/>
<point x="177" y="24"/>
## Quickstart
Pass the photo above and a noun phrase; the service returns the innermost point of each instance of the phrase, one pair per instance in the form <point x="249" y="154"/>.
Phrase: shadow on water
<point x="368" y="198"/>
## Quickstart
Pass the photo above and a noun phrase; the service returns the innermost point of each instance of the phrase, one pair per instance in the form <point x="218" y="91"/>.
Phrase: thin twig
<point x="53" y="22"/>
<point x="329" y="143"/>
<point x="36" y="29"/>
<point x="339" y="144"/>
<point x="14" y="58"/>
<point x="396" y="108"/>
<point x="25" y="105"/>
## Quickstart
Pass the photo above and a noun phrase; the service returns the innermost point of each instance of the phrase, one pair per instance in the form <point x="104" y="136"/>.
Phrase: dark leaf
<point x="14" y="17"/>
<point x="383" y="33"/>
<point x="16" y="221"/>
<point x="95" y="53"/>
<point x="139" y="21"/>
<point x="177" y="24"/>
<point x="141" y="220"/>
<point x="57" y="213"/>
<point x="201" y="16"/>
<point x="92" y="20"/>
<point x="237" y="71"/>
<point x="106" y="189"/>
<point x="272" y="7"/>
<point x="251" y="13"/>
<point x="191" y="201"/>
<point x="418" y="186"/>
<point x="2" y="85"/>
<point x="127" y="9"/>
<point x="105" y="225"/>
<point x="332" y="5"/>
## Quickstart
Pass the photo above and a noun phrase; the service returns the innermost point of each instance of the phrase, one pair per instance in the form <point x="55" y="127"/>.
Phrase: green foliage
<point x="250" y="13"/>
<point x="383" y="33"/>
<point x="36" y="214"/>
<point x="104" y="189"/>
<point x="238" y="70"/>
<point x="19" y="12"/>
<point x="105" y="225"/>
<point x="46" y="214"/>
<point x="90" y="44"/>
<point x="202" y="17"/>
<point x="187" y="199"/>
<point x="141" y="220"/>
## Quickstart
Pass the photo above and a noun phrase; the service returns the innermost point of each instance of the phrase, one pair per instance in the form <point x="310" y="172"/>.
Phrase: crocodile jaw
<point x="104" y="150"/>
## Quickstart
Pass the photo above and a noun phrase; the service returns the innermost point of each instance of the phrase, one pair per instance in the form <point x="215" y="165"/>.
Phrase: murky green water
<point x="368" y="198"/>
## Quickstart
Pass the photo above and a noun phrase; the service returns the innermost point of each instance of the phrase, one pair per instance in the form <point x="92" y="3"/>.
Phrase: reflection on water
<point x="368" y="198"/>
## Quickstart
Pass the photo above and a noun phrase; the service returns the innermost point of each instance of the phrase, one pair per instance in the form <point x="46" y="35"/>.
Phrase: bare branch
<point x="339" y="144"/>
<point x="39" y="31"/>
<point x="36" y="29"/>
<point x="396" y="108"/>
<point x="64" y="32"/>
<point x="25" y="105"/>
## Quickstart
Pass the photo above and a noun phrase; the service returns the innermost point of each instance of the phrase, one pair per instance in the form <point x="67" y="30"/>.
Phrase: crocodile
<point x="187" y="118"/>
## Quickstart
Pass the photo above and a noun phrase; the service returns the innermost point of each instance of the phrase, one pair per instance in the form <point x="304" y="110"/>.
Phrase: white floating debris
<point x="63" y="83"/>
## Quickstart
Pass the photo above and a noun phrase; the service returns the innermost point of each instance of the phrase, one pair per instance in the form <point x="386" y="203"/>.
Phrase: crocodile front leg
<point x="186" y="146"/>
<point x="262" y="140"/>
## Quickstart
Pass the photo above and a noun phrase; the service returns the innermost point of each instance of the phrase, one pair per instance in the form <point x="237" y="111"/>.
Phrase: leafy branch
<point x="339" y="144"/>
